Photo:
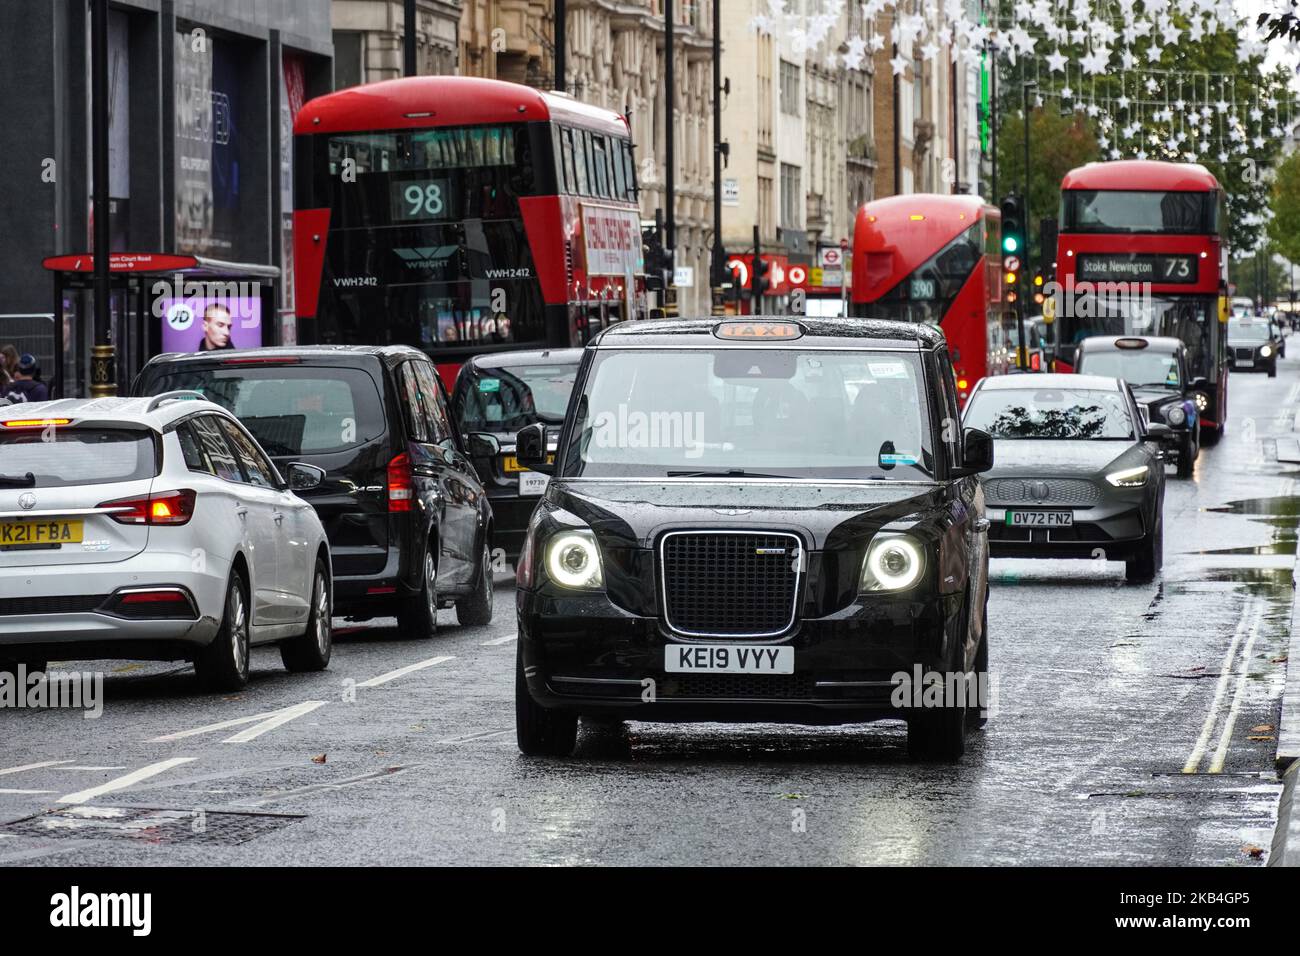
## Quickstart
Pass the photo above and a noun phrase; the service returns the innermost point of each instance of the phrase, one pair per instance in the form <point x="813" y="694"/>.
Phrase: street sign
<point x="830" y="258"/>
<point x="731" y="192"/>
<point x="121" y="262"/>
<point x="832" y="278"/>
<point x="684" y="277"/>
<point x="1011" y="263"/>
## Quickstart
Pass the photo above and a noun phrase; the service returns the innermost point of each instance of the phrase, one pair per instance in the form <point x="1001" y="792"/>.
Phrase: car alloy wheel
<point x="238" y="630"/>
<point x="431" y="584"/>
<point x="324" y="625"/>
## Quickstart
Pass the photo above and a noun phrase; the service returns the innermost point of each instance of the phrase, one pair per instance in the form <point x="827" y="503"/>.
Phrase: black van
<point x="409" y="523"/>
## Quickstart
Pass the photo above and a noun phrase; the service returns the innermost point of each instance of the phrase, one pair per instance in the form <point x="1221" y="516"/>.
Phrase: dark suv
<point x="409" y="524"/>
<point x="501" y="393"/>
<point x="759" y="520"/>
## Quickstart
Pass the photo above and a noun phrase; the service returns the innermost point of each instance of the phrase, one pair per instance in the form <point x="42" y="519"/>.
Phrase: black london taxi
<point x="757" y="520"/>
<point x="1156" y="368"/>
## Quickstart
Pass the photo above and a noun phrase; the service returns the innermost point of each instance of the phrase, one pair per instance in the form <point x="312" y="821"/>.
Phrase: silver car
<point x="155" y="529"/>
<point x="1078" y="471"/>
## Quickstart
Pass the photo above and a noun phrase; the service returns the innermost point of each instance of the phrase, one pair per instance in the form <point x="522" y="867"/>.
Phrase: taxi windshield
<point x="1140" y="368"/>
<point x="1249" y="331"/>
<point x="752" y="412"/>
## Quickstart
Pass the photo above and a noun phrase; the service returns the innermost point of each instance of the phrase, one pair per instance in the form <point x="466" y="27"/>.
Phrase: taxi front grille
<point x="737" y="686"/>
<point x="1044" y="491"/>
<point x="730" y="584"/>
<point x="1246" y="354"/>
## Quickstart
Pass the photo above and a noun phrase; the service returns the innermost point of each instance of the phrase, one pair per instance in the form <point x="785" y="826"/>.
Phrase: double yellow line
<point x="1247" y="628"/>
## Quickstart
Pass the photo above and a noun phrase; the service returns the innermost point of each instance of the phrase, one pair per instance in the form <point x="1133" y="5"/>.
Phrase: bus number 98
<point x="423" y="199"/>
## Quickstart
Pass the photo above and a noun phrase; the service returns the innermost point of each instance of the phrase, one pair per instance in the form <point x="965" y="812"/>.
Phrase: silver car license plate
<point x="1040" y="519"/>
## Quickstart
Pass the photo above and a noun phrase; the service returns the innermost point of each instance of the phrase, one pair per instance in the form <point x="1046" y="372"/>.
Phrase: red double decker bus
<point x="1141" y="252"/>
<point x="936" y="259"/>
<point x="461" y="216"/>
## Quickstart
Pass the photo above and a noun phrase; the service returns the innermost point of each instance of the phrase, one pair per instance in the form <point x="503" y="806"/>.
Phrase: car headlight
<point x="1202" y="401"/>
<point x="1129" y="477"/>
<point x="894" y="562"/>
<point x="573" y="560"/>
<point x="1265" y="351"/>
<point x="1176" y="415"/>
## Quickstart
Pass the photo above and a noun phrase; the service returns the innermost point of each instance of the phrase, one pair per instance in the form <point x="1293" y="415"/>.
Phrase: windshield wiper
<point x="1155" y="385"/>
<point x="18" y="481"/>
<point x="733" y="473"/>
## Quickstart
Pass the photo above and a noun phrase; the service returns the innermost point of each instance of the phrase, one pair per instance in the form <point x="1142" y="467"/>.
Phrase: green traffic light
<point x="1010" y="243"/>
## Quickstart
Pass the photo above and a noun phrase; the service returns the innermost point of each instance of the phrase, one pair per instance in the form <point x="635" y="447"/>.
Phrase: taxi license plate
<point x="533" y="482"/>
<point x="727" y="659"/>
<point x="510" y="464"/>
<point x="1040" y="519"/>
<point x="39" y="534"/>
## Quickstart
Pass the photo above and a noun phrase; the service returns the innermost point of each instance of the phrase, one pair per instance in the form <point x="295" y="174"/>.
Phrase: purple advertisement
<point x="208" y="323"/>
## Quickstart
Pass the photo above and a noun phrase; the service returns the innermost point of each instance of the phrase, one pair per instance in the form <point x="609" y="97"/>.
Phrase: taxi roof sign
<point x="758" y="331"/>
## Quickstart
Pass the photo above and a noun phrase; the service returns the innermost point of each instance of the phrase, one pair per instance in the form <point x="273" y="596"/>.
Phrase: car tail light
<point x="401" y="486"/>
<point x="160" y="507"/>
<point x="1036" y="362"/>
<point x="168" y="602"/>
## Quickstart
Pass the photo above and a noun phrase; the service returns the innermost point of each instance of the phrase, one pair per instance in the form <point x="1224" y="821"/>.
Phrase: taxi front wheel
<point x="541" y="732"/>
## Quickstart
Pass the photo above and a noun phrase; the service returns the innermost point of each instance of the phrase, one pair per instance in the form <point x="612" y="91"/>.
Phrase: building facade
<point x="201" y="97"/>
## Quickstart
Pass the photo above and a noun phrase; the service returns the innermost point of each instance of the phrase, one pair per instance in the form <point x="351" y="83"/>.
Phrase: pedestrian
<point x="25" y="387"/>
<point x="8" y="359"/>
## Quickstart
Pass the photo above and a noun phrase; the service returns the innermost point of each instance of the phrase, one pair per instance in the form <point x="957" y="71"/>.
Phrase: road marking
<point x="89" y="768"/>
<point x="403" y="671"/>
<point x="483" y="735"/>
<point x="7" y="790"/>
<point x="1225" y="674"/>
<point x="272" y="718"/>
<point x="320" y="787"/>
<point x="33" y="766"/>
<point x="500" y="640"/>
<point x="283" y="717"/>
<point x="121" y="783"/>
<point x="1225" y="739"/>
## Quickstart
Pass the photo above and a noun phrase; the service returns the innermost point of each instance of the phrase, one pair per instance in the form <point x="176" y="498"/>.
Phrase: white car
<point x="155" y="529"/>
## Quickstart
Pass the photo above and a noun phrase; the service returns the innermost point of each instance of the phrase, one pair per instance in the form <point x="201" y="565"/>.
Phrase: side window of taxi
<point x="950" y="414"/>
<point x="435" y="408"/>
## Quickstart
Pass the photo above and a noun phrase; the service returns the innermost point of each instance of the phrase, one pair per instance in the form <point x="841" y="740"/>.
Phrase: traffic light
<point x="761" y="280"/>
<point x="1013" y="246"/>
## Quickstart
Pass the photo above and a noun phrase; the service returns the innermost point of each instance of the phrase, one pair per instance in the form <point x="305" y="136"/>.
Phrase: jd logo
<point x="180" y="317"/>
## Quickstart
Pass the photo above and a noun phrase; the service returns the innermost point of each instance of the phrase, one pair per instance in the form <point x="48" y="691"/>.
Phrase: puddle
<point x="1267" y="577"/>
<point x="1284" y="546"/>
<point x="1287" y="506"/>
<point x="1281" y="513"/>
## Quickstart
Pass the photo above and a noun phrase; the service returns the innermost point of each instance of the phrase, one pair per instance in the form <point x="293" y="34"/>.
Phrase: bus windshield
<point x="1137" y="211"/>
<point x="926" y="294"/>
<point x="1190" y="318"/>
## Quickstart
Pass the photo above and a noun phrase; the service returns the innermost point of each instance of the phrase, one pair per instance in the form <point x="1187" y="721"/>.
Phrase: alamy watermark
<point x="921" y="689"/>
<point x="627" y="428"/>
<point x="21" y="689"/>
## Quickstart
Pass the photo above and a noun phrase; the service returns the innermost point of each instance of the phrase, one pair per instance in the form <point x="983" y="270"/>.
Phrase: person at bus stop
<point x="216" y="328"/>
<point x="25" y="387"/>
<point x="8" y="359"/>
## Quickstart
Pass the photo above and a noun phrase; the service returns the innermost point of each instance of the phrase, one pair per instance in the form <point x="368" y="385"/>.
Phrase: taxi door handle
<point x="242" y="512"/>
<point x="277" y="517"/>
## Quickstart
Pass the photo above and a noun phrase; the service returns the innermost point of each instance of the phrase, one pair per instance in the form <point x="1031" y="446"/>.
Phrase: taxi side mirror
<point x="978" y="456"/>
<point x="482" y="445"/>
<point x="530" y="448"/>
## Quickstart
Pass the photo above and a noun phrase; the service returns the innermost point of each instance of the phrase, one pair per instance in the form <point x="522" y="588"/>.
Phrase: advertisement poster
<point x="200" y="323"/>
<point x="612" y="239"/>
<point x="208" y="193"/>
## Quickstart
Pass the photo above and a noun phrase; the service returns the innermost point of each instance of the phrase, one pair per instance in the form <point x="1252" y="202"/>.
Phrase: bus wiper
<point x="18" y="481"/>
<point x="733" y="473"/>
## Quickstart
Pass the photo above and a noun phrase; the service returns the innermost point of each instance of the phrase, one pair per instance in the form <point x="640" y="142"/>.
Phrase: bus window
<point x="566" y="152"/>
<point x="601" y="165"/>
<point x="630" y="168"/>
<point x="580" y="164"/>
<point x="616" y="162"/>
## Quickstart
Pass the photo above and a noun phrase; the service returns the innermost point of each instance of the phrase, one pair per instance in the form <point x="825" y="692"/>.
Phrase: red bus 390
<point x="935" y="259"/>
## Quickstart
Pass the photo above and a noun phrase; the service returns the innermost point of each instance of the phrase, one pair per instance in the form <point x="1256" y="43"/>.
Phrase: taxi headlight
<point x="1176" y="416"/>
<point x="894" y="562"/>
<point x="1265" y="351"/>
<point x="573" y="560"/>
<point x="1129" y="477"/>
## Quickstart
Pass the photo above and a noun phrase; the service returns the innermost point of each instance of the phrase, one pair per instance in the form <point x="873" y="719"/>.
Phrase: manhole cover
<point x="151" y="825"/>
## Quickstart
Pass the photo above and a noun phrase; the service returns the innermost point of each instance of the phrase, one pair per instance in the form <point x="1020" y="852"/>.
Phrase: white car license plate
<point x="1040" y="519"/>
<point x="532" y="482"/>
<point x="727" y="659"/>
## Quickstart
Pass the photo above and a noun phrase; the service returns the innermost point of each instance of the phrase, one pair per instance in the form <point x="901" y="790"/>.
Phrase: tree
<point x="1057" y="144"/>
<point x="1247" y="272"/>
<point x="1284" y="229"/>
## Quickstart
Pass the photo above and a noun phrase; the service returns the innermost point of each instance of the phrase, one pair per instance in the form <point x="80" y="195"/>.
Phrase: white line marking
<point x="1225" y="674"/>
<point x="7" y="790"/>
<point x="270" y="715"/>
<point x="121" y="783"/>
<point x="322" y="787"/>
<point x="403" y="671"/>
<point x="33" y="766"/>
<point x="467" y="738"/>
<point x="1225" y="739"/>
<point x="89" y="768"/>
<point x="283" y="717"/>
<point x="500" y="640"/>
